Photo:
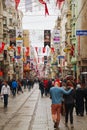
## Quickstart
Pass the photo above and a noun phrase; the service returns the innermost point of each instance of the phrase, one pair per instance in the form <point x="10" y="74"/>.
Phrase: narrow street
<point x="28" y="111"/>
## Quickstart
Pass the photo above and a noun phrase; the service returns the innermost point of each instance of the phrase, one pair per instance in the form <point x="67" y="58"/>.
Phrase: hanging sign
<point x="81" y="32"/>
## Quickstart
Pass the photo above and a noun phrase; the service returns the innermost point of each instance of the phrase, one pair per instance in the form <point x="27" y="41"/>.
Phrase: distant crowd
<point x="14" y="87"/>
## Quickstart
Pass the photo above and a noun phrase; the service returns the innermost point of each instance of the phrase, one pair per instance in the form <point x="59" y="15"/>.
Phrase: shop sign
<point x="81" y="32"/>
<point x="60" y="57"/>
<point x="17" y="57"/>
<point x="19" y="36"/>
<point x="56" y="36"/>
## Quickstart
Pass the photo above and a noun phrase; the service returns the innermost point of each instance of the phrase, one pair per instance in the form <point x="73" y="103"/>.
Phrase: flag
<point x="52" y="49"/>
<point x="2" y="46"/>
<point x="47" y="50"/>
<point x="47" y="38"/>
<point x="59" y="2"/>
<point x="45" y="4"/>
<point x="39" y="50"/>
<point x="28" y="5"/>
<point x="19" y="49"/>
<point x="27" y="51"/>
<point x="17" y="3"/>
<point x="44" y="49"/>
<point x="72" y="50"/>
<point x="36" y="48"/>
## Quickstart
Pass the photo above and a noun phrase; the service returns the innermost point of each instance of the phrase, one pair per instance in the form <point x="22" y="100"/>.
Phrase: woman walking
<point x="5" y="92"/>
<point x="69" y="104"/>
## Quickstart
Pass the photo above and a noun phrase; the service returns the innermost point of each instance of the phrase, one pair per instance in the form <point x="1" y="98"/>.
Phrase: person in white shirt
<point x="5" y="92"/>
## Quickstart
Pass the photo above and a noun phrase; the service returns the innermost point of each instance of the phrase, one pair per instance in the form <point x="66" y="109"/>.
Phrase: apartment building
<point x="10" y="19"/>
<point x="81" y="24"/>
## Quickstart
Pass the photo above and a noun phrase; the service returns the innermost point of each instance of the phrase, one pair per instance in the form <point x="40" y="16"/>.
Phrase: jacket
<point x="5" y="90"/>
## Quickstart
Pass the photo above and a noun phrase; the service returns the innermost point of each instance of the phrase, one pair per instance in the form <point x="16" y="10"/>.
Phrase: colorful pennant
<point x="45" y="4"/>
<point x="17" y="3"/>
<point x="59" y="2"/>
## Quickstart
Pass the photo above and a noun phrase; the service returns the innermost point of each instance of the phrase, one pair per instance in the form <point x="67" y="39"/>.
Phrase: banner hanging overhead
<point x="47" y="38"/>
<point x="19" y="37"/>
<point x="28" y="5"/>
<point x="45" y="4"/>
<point x="56" y="36"/>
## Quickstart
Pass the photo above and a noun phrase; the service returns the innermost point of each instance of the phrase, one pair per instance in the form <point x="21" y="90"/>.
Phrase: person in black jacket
<point x="41" y="87"/>
<point x="79" y="100"/>
<point x="69" y="103"/>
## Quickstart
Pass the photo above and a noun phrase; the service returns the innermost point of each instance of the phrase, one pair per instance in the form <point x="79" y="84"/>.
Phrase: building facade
<point x="81" y="40"/>
<point x="10" y="19"/>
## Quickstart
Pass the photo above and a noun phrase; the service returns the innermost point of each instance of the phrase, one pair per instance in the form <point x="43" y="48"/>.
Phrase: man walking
<point x="56" y="94"/>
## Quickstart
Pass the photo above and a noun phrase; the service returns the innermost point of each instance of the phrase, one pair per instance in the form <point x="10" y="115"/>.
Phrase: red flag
<point x="72" y="50"/>
<point x="59" y="2"/>
<point x="52" y="49"/>
<point x="27" y="51"/>
<point x="36" y="48"/>
<point x="44" y="49"/>
<point x="19" y="49"/>
<point x="17" y="3"/>
<point x="2" y="44"/>
<point x="45" y="4"/>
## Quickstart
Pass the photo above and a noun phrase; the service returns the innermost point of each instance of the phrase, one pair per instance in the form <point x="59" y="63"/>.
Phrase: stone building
<point x="10" y="19"/>
<point x="81" y="24"/>
<point x="75" y="45"/>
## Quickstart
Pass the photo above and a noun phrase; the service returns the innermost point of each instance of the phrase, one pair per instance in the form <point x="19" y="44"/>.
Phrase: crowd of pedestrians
<point x="67" y="96"/>
<point x="14" y="87"/>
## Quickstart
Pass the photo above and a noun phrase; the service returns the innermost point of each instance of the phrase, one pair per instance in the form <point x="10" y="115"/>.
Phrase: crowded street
<point x="29" y="111"/>
<point x="43" y="64"/>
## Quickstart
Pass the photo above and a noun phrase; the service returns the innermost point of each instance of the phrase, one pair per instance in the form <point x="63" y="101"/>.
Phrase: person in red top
<point x="58" y="81"/>
<point x="46" y="86"/>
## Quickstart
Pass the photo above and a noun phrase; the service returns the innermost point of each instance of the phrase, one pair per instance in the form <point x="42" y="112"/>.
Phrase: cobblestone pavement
<point x="34" y="115"/>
